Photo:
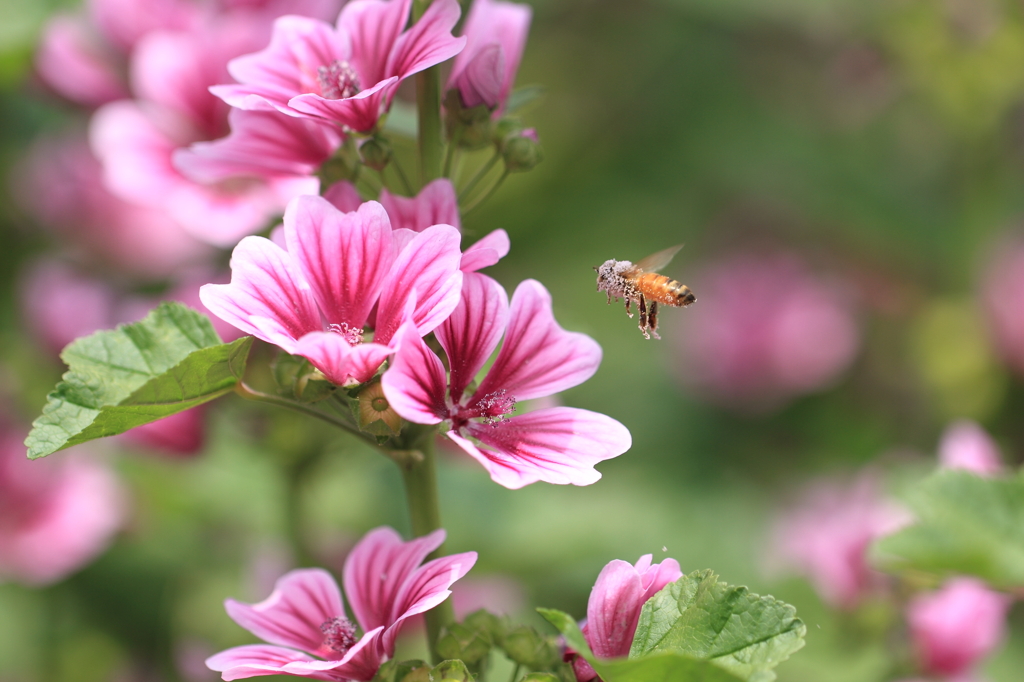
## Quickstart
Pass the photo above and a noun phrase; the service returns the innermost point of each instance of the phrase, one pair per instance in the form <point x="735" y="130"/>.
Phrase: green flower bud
<point x="523" y="152"/>
<point x="464" y="643"/>
<point x="296" y="378"/>
<point x="487" y="623"/>
<point x="505" y="129"/>
<point x="376" y="153"/>
<point x="526" y="646"/>
<point x="468" y="128"/>
<point x="451" y="671"/>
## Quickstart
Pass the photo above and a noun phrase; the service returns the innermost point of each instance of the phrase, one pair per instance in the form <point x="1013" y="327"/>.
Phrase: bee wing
<point x="656" y="261"/>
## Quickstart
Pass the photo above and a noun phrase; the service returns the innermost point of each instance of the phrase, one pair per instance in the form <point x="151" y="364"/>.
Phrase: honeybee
<point x="641" y="282"/>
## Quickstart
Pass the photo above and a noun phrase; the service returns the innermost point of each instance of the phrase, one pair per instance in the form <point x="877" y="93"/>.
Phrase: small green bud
<point x="526" y="646"/>
<point x="464" y="643"/>
<point x="522" y="153"/>
<point x="298" y="379"/>
<point x="485" y="622"/>
<point x="451" y="671"/>
<point x="505" y="129"/>
<point x="468" y="128"/>
<point x="403" y="671"/>
<point x="376" y="153"/>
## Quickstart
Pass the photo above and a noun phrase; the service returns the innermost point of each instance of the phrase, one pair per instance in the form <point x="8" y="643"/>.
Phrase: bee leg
<point x="628" y="311"/>
<point x="643" y="317"/>
<point x="652" y="318"/>
<point x="609" y="297"/>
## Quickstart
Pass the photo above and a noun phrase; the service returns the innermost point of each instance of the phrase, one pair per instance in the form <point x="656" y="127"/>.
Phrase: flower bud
<point x="527" y="647"/>
<point x="403" y="671"/>
<point x="375" y="414"/>
<point x="375" y="153"/>
<point x="522" y="153"/>
<point x="296" y="378"/>
<point x="451" y="671"/>
<point x="464" y="643"/>
<point x="467" y="127"/>
<point x="505" y="129"/>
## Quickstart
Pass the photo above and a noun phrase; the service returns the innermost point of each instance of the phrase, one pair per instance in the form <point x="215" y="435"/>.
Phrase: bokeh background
<point x="848" y="179"/>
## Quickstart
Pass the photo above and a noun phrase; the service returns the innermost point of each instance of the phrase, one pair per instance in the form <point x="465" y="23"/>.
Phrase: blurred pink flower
<point x="613" y="610"/>
<point x="957" y="626"/>
<point x="825" y="537"/>
<point x="347" y="74"/>
<point x="385" y="584"/>
<point x="485" y="70"/>
<point x="315" y="298"/>
<point x="435" y="204"/>
<point x="538" y="358"/>
<point x="1002" y="289"/>
<point x="62" y="186"/>
<point x="56" y="515"/>
<point x="76" y="63"/>
<point x="965" y="445"/>
<point x="59" y="305"/>
<point x="766" y="330"/>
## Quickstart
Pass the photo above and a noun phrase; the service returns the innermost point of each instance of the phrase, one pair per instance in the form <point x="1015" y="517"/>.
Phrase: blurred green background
<point x="881" y="139"/>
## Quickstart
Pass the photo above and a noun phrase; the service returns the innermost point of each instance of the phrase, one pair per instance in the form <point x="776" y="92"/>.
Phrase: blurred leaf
<point x="966" y="525"/>
<point x="168" y="362"/>
<point x="661" y="667"/>
<point x="710" y="620"/>
<point x="522" y="99"/>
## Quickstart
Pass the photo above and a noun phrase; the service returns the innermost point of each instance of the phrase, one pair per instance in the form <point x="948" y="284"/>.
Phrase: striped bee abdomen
<point x="664" y="290"/>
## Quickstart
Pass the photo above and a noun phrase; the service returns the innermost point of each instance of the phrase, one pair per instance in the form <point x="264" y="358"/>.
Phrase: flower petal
<point x="344" y="256"/>
<point x="429" y="265"/>
<point x="376" y="570"/>
<point x="613" y="609"/>
<point x="483" y="78"/>
<point x="428" y="42"/>
<point x="436" y="204"/>
<point x="414" y="384"/>
<point x="555" y="445"/>
<point x="361" y="662"/>
<point x="538" y="357"/>
<point x="427" y="587"/>
<point x="301" y="602"/>
<point x="486" y="251"/>
<point x="254" y="660"/>
<point x="472" y="332"/>
<point x="267" y="296"/>
<point x="359" y="112"/>
<point x="345" y="197"/>
<point x="373" y="26"/>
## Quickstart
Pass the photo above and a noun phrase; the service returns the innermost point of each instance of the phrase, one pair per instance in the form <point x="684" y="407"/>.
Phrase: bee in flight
<point x="641" y="282"/>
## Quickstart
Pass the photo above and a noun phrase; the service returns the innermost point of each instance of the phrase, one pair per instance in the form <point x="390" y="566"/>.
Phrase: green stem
<point x="428" y="105"/>
<point x="252" y="394"/>
<point x="486" y="195"/>
<point x="420" y="476"/>
<point x="515" y="673"/>
<point x="402" y="176"/>
<point x="479" y="175"/>
<point x="453" y="144"/>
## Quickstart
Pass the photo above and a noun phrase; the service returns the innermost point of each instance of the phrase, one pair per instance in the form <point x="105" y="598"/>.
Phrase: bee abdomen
<point x="665" y="290"/>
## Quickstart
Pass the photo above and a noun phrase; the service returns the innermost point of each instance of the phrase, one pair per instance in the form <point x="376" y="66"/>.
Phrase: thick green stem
<point x="431" y="140"/>
<point x="420" y="476"/>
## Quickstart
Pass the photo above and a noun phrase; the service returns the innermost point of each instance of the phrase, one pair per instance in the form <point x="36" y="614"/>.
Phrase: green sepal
<point x="458" y="641"/>
<point x="965" y="525"/>
<point x="451" y="671"/>
<point x="170" y="361"/>
<point x="299" y="380"/>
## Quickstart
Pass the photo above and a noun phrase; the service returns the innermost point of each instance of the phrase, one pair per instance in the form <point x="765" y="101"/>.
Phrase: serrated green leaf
<point x="966" y="525"/>
<point x="660" y="667"/>
<point x="702" y="618"/>
<point x="170" y="361"/>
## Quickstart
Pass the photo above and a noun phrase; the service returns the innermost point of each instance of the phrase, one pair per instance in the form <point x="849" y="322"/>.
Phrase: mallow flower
<point x="538" y="358"/>
<point x="613" y="610"/>
<point x="347" y="73"/>
<point x="485" y="70"/>
<point x="315" y="296"/>
<point x="308" y="631"/>
<point x="965" y="445"/>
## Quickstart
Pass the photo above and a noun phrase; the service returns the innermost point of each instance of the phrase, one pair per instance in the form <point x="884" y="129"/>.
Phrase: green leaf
<point x="966" y="525"/>
<point x="523" y="99"/>
<point x="661" y="667"/>
<point x="119" y="379"/>
<point x="702" y="618"/>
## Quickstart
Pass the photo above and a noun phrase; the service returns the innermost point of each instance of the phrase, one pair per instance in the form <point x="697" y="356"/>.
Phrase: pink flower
<point x="55" y="515"/>
<point x="261" y="144"/>
<point x="766" y="330"/>
<point x="62" y="186"/>
<point x="538" y="358"/>
<point x="74" y="61"/>
<point x="825" y="536"/>
<point x="965" y="445"/>
<point x="616" y="600"/>
<point x="125" y="22"/>
<point x="347" y="74"/>
<point x="136" y="145"/>
<point x="957" y="626"/>
<point x="496" y="35"/>
<point x="59" y="305"/>
<point x="1002" y="289"/>
<point x="435" y="204"/>
<point x="315" y="298"/>
<point x="385" y="584"/>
